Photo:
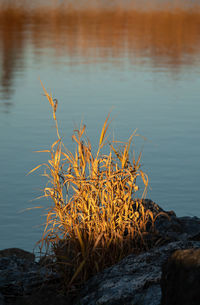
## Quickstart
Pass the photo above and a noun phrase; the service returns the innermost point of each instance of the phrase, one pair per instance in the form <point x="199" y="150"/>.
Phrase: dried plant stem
<point x="95" y="219"/>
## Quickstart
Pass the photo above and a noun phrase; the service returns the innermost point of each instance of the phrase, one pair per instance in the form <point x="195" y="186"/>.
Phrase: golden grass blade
<point x="82" y="130"/>
<point x="116" y="153"/>
<point x="35" y="168"/>
<point x="47" y="95"/>
<point x="55" y="143"/>
<point x="104" y="130"/>
<point x="138" y="160"/>
<point x="81" y="242"/>
<point x="39" y="151"/>
<point x="97" y="241"/>
<point x="80" y="267"/>
<point x="69" y="158"/>
<point x="126" y="150"/>
<point x="74" y="138"/>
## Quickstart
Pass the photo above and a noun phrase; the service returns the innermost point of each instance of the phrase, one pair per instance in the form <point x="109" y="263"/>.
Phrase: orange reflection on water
<point x="166" y="37"/>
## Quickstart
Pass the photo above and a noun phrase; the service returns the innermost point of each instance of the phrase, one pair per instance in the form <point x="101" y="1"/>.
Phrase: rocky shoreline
<point x="136" y="280"/>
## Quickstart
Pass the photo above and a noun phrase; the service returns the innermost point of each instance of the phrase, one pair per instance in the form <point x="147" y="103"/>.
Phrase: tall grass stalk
<point x="95" y="219"/>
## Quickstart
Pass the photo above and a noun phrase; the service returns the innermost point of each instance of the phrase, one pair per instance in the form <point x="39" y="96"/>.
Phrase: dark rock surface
<point x="25" y="281"/>
<point x="2" y="299"/>
<point x="180" y="281"/>
<point x="133" y="281"/>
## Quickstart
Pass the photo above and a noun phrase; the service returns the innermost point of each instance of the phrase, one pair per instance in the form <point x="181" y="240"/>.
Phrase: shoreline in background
<point x="169" y="37"/>
<point x="143" y="5"/>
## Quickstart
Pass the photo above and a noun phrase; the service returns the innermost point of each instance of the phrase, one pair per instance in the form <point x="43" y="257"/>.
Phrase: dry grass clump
<point x="95" y="219"/>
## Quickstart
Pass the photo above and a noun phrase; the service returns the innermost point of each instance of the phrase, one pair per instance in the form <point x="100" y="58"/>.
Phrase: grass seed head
<point x="95" y="219"/>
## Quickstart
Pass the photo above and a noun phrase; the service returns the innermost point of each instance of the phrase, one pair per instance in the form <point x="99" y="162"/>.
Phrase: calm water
<point x="143" y="65"/>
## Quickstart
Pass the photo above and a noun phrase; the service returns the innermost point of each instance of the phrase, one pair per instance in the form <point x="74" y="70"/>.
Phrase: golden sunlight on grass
<point x="95" y="219"/>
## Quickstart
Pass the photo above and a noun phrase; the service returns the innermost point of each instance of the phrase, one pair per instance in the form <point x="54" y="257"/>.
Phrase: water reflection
<point x="12" y="45"/>
<point x="165" y="38"/>
<point x="93" y="60"/>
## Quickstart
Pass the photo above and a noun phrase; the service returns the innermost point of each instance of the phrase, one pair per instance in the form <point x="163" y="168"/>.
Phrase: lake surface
<point x="144" y="65"/>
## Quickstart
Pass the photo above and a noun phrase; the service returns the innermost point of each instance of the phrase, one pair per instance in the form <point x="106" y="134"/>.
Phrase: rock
<point x="2" y="300"/>
<point x="181" y="278"/>
<point x="133" y="281"/>
<point x="18" y="253"/>
<point x="20" y="275"/>
<point x="47" y="294"/>
<point x="168" y="227"/>
<point x="191" y="227"/>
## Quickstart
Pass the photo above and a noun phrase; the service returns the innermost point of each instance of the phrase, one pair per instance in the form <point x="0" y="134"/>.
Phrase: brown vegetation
<point x="95" y="219"/>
